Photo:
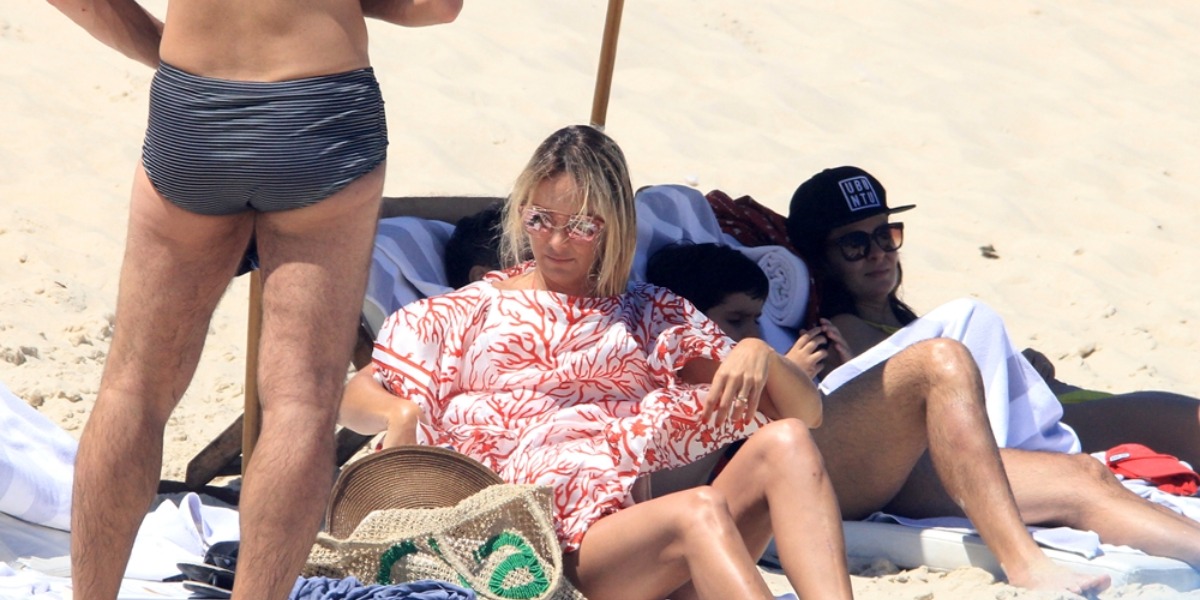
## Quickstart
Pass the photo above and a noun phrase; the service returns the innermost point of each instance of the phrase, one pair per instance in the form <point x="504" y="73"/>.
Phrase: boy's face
<point x="737" y="315"/>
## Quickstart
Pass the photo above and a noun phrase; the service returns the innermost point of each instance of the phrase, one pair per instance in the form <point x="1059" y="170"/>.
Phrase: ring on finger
<point x="742" y="399"/>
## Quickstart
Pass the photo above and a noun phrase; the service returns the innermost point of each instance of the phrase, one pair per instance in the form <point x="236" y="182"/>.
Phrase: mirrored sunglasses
<point x="580" y="228"/>
<point x="856" y="245"/>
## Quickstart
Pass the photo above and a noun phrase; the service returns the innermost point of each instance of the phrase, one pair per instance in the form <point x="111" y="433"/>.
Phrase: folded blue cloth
<point x="324" y="588"/>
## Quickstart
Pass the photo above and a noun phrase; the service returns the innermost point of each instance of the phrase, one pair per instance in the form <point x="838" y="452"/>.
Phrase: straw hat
<point x="403" y="477"/>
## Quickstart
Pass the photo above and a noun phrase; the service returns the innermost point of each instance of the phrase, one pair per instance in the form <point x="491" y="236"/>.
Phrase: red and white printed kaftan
<point x="575" y="393"/>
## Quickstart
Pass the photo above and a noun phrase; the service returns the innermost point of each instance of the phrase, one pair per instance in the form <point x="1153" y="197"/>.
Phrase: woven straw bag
<point x="418" y="512"/>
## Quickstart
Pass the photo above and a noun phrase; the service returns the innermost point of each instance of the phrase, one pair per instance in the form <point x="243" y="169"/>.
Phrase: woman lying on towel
<point x="557" y="372"/>
<point x="858" y="274"/>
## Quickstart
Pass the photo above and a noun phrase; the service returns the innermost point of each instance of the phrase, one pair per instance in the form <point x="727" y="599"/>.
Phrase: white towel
<point x="406" y="265"/>
<point x="1076" y="541"/>
<point x="1024" y="413"/>
<point x="179" y="533"/>
<point x="668" y="214"/>
<point x="788" y="276"/>
<point x="37" y="463"/>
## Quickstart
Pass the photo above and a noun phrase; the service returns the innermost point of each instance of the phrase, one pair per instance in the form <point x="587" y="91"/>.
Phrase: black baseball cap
<point x="831" y="199"/>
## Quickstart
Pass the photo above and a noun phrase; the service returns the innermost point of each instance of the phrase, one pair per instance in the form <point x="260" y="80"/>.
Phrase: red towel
<point x="749" y="222"/>
<point x="1169" y="474"/>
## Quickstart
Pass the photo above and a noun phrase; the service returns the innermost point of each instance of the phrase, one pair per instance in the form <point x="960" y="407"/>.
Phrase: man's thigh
<point x="177" y="265"/>
<point x="315" y="262"/>
<point x="870" y="439"/>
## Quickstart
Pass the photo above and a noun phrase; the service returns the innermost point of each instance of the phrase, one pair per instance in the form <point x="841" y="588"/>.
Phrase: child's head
<point x="723" y="283"/>
<point x="473" y="248"/>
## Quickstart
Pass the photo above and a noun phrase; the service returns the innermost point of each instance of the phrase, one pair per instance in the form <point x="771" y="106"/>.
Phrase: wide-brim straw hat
<point x="403" y="477"/>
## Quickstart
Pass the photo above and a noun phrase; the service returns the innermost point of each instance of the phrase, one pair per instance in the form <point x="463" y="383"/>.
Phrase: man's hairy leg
<point x="929" y="397"/>
<point x="315" y="261"/>
<point x="1078" y="491"/>
<point x="1072" y="490"/>
<point x="176" y="266"/>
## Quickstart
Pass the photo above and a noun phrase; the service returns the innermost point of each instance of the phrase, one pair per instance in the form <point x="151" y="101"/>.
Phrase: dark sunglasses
<point x="581" y="228"/>
<point x="856" y="245"/>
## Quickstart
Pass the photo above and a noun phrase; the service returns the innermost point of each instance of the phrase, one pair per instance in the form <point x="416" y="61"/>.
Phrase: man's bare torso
<point x="264" y="40"/>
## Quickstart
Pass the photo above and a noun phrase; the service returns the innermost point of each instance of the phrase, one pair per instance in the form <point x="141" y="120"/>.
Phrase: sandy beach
<point x="1058" y="134"/>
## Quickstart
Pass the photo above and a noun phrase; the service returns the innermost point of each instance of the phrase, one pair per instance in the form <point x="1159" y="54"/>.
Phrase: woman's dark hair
<point x="706" y="274"/>
<point x="832" y="296"/>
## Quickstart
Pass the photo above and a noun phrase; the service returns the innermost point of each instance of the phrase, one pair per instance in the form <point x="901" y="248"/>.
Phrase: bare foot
<point x="1049" y="575"/>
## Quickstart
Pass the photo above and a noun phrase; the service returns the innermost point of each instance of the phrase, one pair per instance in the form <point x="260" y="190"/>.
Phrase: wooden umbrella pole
<point x="253" y="410"/>
<point x="608" y="58"/>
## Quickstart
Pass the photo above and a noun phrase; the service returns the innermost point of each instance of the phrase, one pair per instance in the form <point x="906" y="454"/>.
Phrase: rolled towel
<point x="787" y="299"/>
<point x="37" y="464"/>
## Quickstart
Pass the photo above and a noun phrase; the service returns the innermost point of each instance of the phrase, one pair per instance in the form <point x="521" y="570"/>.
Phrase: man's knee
<point x="943" y="361"/>
<point x="1086" y="473"/>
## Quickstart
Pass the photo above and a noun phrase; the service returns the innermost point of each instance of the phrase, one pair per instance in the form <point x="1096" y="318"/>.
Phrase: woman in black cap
<point x="839" y="223"/>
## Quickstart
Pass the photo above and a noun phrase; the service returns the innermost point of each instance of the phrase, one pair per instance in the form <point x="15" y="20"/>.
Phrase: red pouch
<point x="1167" y="473"/>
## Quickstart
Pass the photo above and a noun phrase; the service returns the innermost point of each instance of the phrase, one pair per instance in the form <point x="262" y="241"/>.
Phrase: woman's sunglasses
<point x="856" y="245"/>
<point x="542" y="222"/>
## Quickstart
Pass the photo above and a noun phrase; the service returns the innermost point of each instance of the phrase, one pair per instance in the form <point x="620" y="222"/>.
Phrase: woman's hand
<point x="738" y="383"/>
<point x="841" y="349"/>
<point x="402" y="422"/>
<point x="369" y="408"/>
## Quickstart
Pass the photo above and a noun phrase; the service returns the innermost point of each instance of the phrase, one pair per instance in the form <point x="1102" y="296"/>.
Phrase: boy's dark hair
<point x="706" y="274"/>
<point x="475" y="241"/>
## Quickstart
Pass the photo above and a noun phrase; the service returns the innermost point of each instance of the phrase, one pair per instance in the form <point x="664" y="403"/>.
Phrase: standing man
<point x="265" y="121"/>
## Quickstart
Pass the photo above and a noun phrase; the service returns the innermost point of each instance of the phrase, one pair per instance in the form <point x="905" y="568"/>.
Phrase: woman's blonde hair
<point x="597" y="166"/>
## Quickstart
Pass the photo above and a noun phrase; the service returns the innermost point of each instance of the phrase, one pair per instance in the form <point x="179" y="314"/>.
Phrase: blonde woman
<point x="557" y="372"/>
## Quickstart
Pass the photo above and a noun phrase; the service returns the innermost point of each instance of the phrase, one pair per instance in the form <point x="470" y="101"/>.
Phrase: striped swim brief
<point x="219" y="147"/>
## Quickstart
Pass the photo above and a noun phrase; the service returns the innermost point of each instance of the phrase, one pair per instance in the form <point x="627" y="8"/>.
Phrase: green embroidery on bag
<point x="524" y="559"/>
<point x="389" y="558"/>
<point x="433" y="545"/>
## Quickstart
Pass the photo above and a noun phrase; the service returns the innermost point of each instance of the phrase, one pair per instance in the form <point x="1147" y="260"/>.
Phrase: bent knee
<point x="1088" y="470"/>
<point x="945" y="360"/>
<point x="786" y="441"/>
<point x="705" y="507"/>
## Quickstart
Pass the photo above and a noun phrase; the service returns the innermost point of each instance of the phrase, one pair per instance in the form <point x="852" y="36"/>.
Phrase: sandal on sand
<point x="214" y="577"/>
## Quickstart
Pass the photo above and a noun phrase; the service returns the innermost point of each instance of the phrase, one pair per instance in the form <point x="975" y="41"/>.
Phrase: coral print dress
<point x="576" y="393"/>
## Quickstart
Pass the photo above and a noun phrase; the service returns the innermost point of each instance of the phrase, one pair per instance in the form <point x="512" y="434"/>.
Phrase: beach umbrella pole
<point x="252" y="411"/>
<point x="608" y="57"/>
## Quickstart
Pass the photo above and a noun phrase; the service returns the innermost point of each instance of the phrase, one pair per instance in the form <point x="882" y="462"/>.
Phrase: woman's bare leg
<point x="777" y="482"/>
<point x="650" y="549"/>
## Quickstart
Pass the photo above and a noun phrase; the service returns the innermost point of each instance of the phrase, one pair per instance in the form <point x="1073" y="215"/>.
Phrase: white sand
<point x="1065" y="135"/>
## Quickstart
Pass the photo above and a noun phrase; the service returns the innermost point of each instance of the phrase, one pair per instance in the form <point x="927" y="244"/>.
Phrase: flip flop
<point x="204" y="590"/>
<point x="207" y="574"/>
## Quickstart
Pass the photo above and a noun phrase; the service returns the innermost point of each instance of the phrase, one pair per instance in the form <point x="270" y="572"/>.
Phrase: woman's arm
<point x="769" y="382"/>
<point x="413" y="13"/>
<point x="368" y="408"/>
<point x="120" y="24"/>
